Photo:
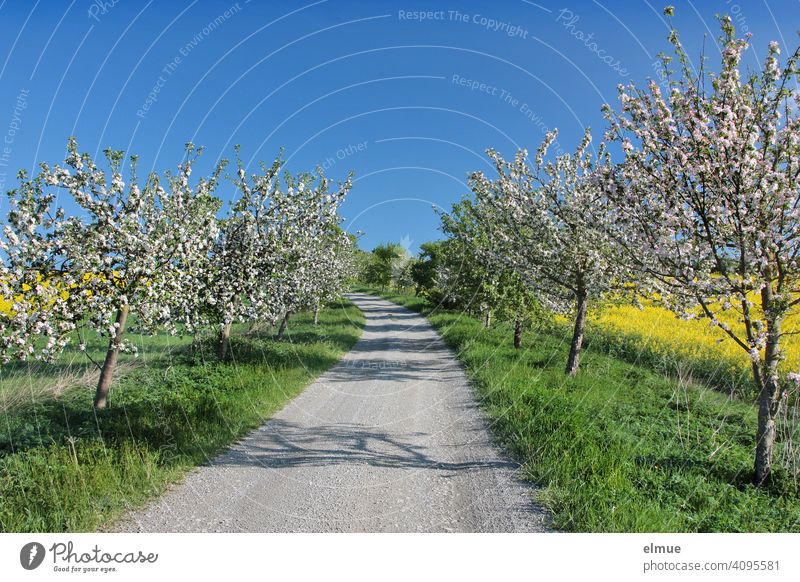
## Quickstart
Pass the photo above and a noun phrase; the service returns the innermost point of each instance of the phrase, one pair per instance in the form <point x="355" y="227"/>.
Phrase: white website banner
<point x="372" y="557"/>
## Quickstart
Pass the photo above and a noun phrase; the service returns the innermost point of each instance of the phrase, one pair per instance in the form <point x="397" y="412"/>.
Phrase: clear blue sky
<point x="349" y="85"/>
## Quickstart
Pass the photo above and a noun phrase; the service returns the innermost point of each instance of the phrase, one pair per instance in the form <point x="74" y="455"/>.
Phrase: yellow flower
<point x="661" y="329"/>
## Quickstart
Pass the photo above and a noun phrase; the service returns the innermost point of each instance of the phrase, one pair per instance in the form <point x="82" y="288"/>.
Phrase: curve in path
<point x="389" y="439"/>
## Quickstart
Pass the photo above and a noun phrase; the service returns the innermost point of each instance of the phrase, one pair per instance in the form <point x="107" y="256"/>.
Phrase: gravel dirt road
<point x="389" y="439"/>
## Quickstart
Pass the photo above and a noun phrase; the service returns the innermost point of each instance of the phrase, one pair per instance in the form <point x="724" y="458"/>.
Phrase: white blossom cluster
<point x="708" y="199"/>
<point x="129" y="245"/>
<point x="280" y="249"/>
<point x="546" y="221"/>
<point x="709" y="192"/>
<point x="158" y="250"/>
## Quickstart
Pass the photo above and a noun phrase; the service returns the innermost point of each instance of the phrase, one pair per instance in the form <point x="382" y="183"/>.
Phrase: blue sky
<point x="408" y="103"/>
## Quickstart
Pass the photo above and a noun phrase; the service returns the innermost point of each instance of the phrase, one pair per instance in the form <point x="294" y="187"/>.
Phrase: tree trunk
<point x="768" y="402"/>
<point x="574" y="360"/>
<point x="224" y="341"/>
<point x="284" y="324"/>
<point x="518" y="333"/>
<point x="316" y="314"/>
<point x="755" y="364"/>
<point x="487" y="318"/>
<point x="769" y="397"/>
<point x="110" y="363"/>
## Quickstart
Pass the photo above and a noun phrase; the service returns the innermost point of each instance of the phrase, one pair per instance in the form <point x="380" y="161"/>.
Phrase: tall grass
<point x="65" y="467"/>
<point x="29" y="382"/>
<point x="621" y="447"/>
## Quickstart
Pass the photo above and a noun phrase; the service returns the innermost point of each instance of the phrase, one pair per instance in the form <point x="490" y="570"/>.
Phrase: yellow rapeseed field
<point x="6" y="304"/>
<point x="660" y="329"/>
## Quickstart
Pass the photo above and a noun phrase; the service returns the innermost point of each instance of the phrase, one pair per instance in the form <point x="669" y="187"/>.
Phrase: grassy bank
<point x="621" y="447"/>
<point x="64" y="467"/>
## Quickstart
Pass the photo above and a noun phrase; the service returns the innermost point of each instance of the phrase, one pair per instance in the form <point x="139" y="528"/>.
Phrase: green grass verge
<point x="65" y="468"/>
<point x="621" y="447"/>
<point x="722" y="373"/>
<point x="23" y="383"/>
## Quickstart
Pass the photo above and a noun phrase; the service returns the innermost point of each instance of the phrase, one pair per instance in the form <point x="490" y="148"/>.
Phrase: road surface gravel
<point x="388" y="440"/>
